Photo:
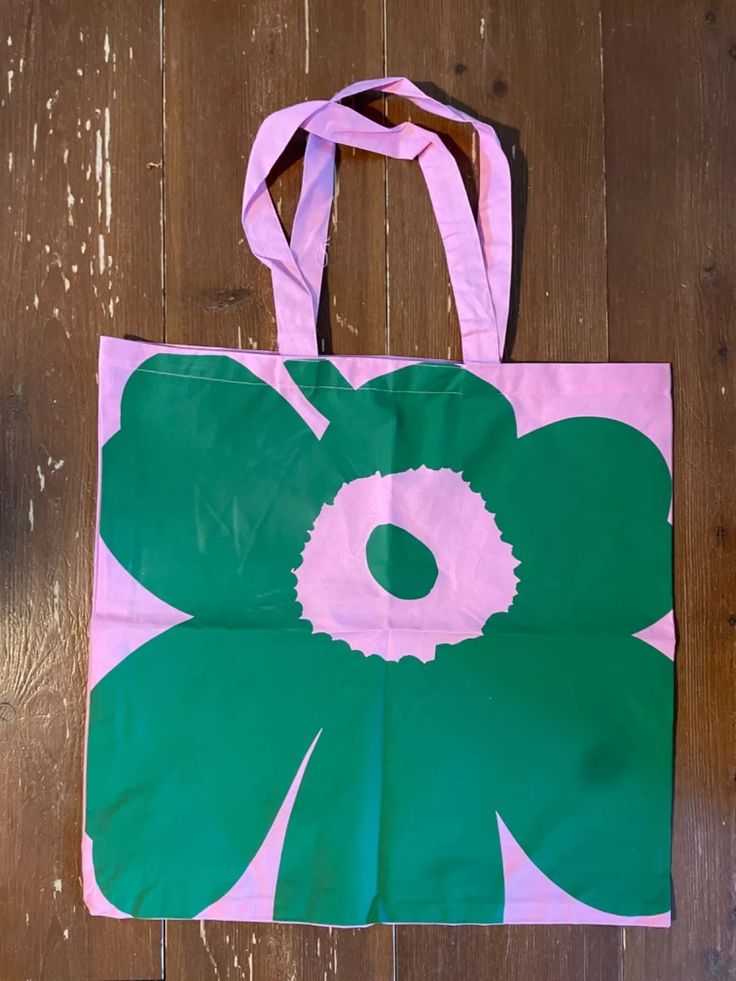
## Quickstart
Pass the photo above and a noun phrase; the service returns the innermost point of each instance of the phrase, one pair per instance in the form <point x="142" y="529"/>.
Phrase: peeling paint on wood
<point x="54" y="80"/>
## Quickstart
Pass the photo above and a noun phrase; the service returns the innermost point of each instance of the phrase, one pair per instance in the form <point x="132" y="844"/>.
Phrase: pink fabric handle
<point x="296" y="288"/>
<point x="309" y="235"/>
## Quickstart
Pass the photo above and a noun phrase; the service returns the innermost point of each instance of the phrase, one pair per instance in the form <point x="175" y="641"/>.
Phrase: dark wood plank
<point x="535" y="68"/>
<point x="224" y="73"/>
<point x="567" y="953"/>
<point x="80" y="239"/>
<point x="227" y="66"/>
<point x="278" y="952"/>
<point x="670" y="117"/>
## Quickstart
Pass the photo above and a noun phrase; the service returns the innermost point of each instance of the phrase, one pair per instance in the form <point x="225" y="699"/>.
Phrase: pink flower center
<point x="472" y="569"/>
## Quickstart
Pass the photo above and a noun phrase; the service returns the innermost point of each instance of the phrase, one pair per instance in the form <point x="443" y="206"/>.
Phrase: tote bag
<point x="377" y="638"/>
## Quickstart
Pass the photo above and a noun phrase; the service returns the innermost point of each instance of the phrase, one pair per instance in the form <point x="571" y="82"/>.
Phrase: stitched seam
<point x="311" y="388"/>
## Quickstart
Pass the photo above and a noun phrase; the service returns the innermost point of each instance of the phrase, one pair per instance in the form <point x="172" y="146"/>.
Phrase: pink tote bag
<point x="380" y="639"/>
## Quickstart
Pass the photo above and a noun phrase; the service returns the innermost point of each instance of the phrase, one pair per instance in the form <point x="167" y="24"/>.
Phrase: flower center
<point x="402" y="588"/>
<point x="400" y="563"/>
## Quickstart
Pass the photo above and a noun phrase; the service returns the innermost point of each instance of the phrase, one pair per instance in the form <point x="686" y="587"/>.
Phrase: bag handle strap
<point x="335" y="123"/>
<point x="309" y="234"/>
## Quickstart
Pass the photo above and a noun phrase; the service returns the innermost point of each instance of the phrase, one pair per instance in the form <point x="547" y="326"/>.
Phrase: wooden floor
<point x="125" y="127"/>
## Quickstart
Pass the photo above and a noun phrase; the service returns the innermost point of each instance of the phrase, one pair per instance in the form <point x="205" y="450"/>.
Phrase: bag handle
<point x="309" y="234"/>
<point x="334" y="123"/>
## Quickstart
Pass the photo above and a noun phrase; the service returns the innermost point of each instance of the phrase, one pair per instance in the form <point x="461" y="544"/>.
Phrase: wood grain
<point x="535" y="68"/>
<point x="555" y="953"/>
<point x="81" y="249"/>
<point x="277" y="952"/>
<point x="224" y="73"/>
<point x="670" y="73"/>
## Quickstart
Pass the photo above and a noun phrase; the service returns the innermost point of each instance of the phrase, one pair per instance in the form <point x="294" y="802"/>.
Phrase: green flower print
<point x="555" y="717"/>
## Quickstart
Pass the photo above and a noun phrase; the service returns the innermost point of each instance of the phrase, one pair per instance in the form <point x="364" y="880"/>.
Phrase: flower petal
<point x="209" y="487"/>
<point x="430" y="414"/>
<point x="584" y="505"/>
<point x="194" y="741"/>
<point x="440" y="852"/>
<point x="579" y="738"/>
<point x="396" y="814"/>
<point x="328" y="866"/>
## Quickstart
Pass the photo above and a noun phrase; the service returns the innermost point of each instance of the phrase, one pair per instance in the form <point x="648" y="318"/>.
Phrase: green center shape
<point x="400" y="562"/>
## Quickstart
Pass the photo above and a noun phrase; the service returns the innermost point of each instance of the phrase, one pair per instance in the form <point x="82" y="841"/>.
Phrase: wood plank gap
<point x="387" y="280"/>
<point x="604" y="179"/>
<point x="162" y="172"/>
